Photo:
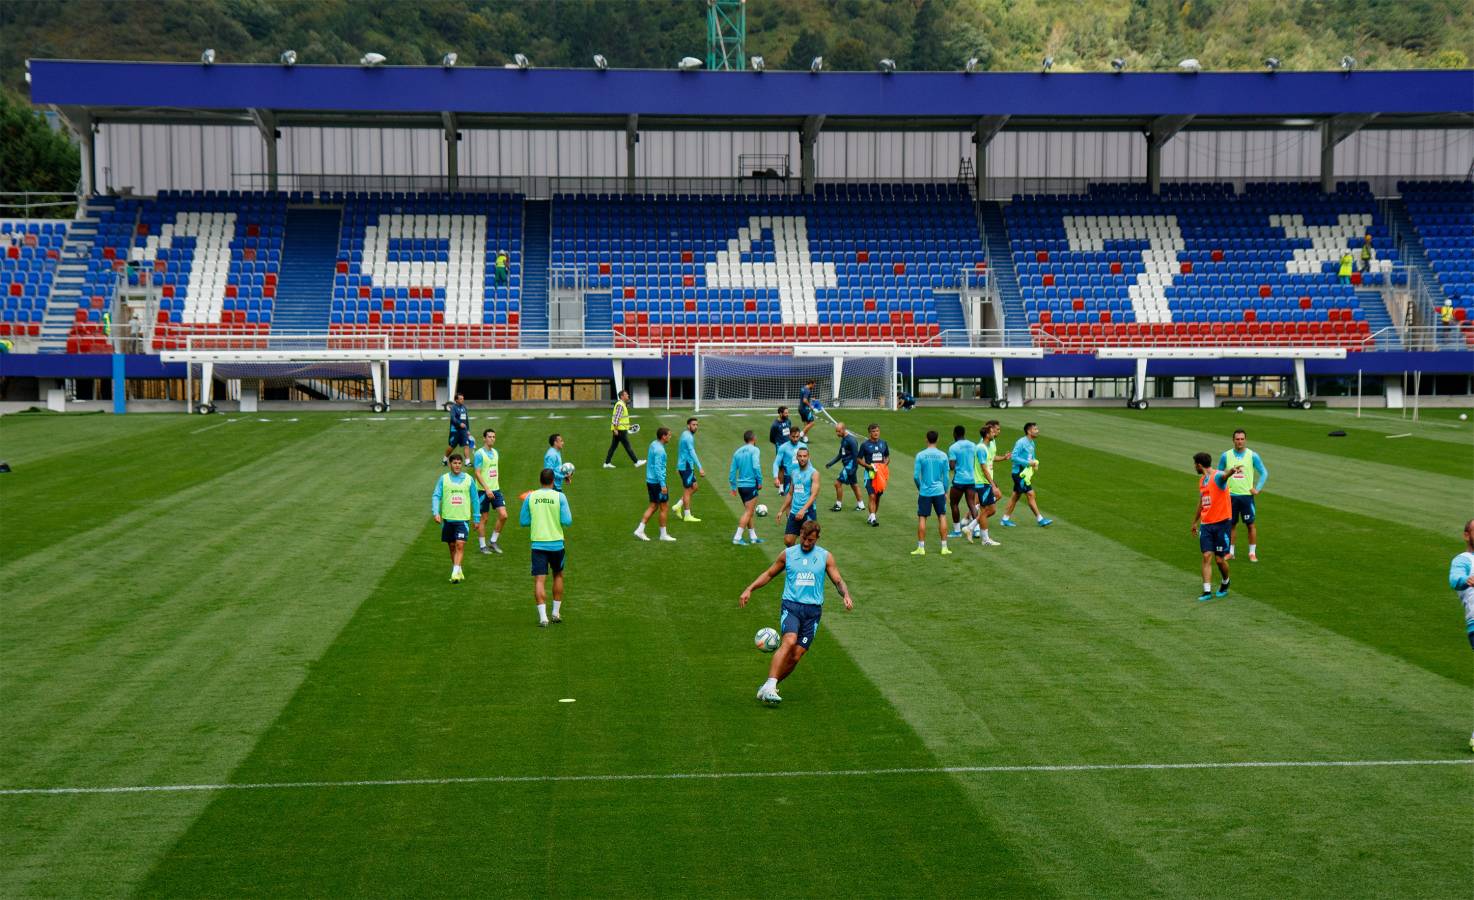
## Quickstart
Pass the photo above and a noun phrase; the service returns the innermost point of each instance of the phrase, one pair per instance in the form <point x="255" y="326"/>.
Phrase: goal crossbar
<point x="762" y="374"/>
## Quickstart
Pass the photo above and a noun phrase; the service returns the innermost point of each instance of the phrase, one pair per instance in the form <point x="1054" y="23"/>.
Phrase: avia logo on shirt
<point x="804" y="579"/>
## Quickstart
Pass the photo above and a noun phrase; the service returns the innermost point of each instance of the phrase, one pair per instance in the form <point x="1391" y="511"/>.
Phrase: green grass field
<point x="260" y="608"/>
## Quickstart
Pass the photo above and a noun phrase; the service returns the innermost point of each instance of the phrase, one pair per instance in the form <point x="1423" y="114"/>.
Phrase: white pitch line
<point x="725" y="776"/>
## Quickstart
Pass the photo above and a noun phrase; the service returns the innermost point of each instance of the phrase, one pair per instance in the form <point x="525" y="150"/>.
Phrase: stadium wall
<point x="150" y="158"/>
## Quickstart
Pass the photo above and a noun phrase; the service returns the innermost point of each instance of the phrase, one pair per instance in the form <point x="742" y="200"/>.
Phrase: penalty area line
<point x="727" y="776"/>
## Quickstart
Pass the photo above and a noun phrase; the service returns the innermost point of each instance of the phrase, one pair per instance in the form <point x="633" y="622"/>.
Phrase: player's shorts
<point x="1213" y="537"/>
<point x="493" y="500"/>
<point x="657" y="493"/>
<point x="748" y="494"/>
<point x="870" y="488"/>
<point x="985" y="495"/>
<point x="964" y="489"/>
<point x="801" y="619"/>
<point x="848" y="474"/>
<point x="806" y="413"/>
<point x="795" y="523"/>
<point x="545" y="561"/>
<point x="785" y="483"/>
<point x="688" y="477"/>
<point x="453" y="532"/>
<point x="1020" y="486"/>
<point x="925" y="506"/>
<point x="460" y="437"/>
<point x="1243" y="508"/>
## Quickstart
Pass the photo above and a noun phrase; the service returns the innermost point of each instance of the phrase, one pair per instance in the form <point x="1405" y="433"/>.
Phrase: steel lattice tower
<point x="726" y="34"/>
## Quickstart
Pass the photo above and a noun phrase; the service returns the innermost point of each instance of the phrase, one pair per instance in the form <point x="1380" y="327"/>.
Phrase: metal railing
<point x="39" y="204"/>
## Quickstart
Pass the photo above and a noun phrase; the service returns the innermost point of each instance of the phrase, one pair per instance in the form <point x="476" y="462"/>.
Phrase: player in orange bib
<point x="1212" y="521"/>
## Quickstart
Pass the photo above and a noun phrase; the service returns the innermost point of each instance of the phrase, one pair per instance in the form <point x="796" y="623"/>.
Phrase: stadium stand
<point x="29" y="253"/>
<point x="1198" y="263"/>
<point x="420" y="268"/>
<point x="1442" y="215"/>
<point x="852" y="263"/>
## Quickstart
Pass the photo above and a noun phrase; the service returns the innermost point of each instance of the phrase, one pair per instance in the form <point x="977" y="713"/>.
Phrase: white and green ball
<point x="766" y="640"/>
<point x="761" y="509"/>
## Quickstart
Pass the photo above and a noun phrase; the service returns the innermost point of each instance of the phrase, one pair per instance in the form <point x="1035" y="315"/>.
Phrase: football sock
<point x="495" y="535"/>
<point x="986" y="537"/>
<point x="1224" y="585"/>
<point x="1005" y="518"/>
<point x="1207" y="586"/>
<point x="752" y="532"/>
<point x="663" y="532"/>
<point x="542" y="612"/>
<point x="1230" y="549"/>
<point x="944" y="543"/>
<point x="640" y="528"/>
<point x="455" y="570"/>
<point x="738" y="535"/>
<point x="483" y="542"/>
<point x="771" y="684"/>
<point x="557" y="607"/>
<point x="1252" y="548"/>
<point x="1039" y="517"/>
<point x="921" y="545"/>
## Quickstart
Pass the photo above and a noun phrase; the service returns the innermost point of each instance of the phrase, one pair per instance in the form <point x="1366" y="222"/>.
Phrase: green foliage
<point x="33" y="157"/>
<point x="850" y="34"/>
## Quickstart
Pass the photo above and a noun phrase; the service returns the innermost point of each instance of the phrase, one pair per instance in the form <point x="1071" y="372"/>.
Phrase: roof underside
<point x="420" y="97"/>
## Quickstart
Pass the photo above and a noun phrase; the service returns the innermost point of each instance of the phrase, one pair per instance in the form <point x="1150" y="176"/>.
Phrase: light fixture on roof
<point x="1348" y="63"/>
<point x="758" y="64"/>
<point x="28" y="71"/>
<point x="372" y="59"/>
<point x="1118" y="64"/>
<point x="289" y="57"/>
<point x="1047" y="64"/>
<point x="817" y="65"/>
<point x="1271" y="63"/>
<point x="971" y="65"/>
<point x="600" y="62"/>
<point x="689" y="64"/>
<point x="886" y="65"/>
<point x="1190" y="65"/>
<point x="521" y="61"/>
<point x="448" y="61"/>
<point x="208" y="57"/>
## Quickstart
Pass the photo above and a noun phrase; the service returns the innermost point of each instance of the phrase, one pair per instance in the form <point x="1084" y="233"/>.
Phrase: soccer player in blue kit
<point x="785" y="460"/>
<point x="848" y="457"/>
<point x="688" y="466"/>
<point x="553" y="459"/>
<point x="804" y="491"/>
<point x="804" y="569"/>
<point x="460" y="430"/>
<point x="745" y="478"/>
<point x="875" y="459"/>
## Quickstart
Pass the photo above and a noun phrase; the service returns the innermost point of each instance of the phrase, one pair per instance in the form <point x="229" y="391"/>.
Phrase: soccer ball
<point x="1240" y="409"/>
<point x="766" y="640"/>
<point x="635" y="428"/>
<point x="566" y="469"/>
<point x="761" y="510"/>
<point x="1463" y="417"/>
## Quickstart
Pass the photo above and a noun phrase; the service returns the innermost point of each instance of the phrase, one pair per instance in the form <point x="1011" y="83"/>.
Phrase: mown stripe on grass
<point x="167" y="640"/>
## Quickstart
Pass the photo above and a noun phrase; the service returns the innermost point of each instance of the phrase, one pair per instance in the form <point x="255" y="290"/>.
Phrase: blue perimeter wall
<point x="1446" y="362"/>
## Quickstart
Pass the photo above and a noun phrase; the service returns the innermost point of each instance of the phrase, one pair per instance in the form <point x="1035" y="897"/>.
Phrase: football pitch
<point x="231" y="665"/>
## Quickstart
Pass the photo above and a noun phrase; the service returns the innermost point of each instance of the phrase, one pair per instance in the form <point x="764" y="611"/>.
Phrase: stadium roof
<point x="419" y="96"/>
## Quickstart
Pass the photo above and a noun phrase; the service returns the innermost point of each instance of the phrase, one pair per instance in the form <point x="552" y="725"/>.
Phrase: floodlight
<point x="1190" y="65"/>
<point x="289" y="57"/>
<point x="600" y="62"/>
<point x="817" y="65"/>
<point x="758" y="64"/>
<point x="1047" y="64"/>
<point x="886" y="65"/>
<point x="1118" y="64"/>
<point x="970" y="66"/>
<point x="448" y="61"/>
<point x="1348" y="63"/>
<point x="688" y="64"/>
<point x="208" y="57"/>
<point x="1271" y="63"/>
<point x="372" y="59"/>
<point x="521" y="61"/>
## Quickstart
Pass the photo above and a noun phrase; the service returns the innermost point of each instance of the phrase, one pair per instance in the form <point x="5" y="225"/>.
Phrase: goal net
<point x="767" y="375"/>
<point x="286" y="367"/>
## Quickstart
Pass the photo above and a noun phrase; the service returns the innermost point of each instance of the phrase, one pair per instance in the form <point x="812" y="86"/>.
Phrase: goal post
<point x="766" y="375"/>
<point x="288" y="367"/>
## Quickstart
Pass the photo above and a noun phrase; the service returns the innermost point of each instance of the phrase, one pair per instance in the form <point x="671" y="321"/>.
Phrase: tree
<point x="33" y="157"/>
<point x="850" y="55"/>
<point x="808" y="45"/>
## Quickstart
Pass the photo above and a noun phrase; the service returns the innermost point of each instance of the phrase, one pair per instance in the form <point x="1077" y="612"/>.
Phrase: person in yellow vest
<point x="1446" y="314"/>
<point x="546" y="512"/>
<point x="1345" y="270"/>
<point x="1366" y="254"/>
<point x="485" y="468"/>
<point x="619" y="426"/>
<point x="454" y="507"/>
<point x="501" y="267"/>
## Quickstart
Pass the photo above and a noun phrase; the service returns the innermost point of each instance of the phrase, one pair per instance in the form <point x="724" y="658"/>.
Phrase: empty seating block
<point x="1442" y="212"/>
<point x="1196" y="264"/>
<point x="852" y="263"/>
<point x="29" y="251"/>
<point x="422" y="268"/>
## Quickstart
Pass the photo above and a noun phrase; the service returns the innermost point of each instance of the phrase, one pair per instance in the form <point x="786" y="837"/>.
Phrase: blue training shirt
<point x="963" y="456"/>
<point x="1022" y="455"/>
<point x="803" y="574"/>
<point x="460" y="419"/>
<point x="746" y="470"/>
<point x="554" y="460"/>
<point x="655" y="463"/>
<point x="930" y="472"/>
<point x="785" y="460"/>
<point x="849" y="451"/>
<point x="778" y="432"/>
<point x="803" y="486"/>
<point x="686" y="457"/>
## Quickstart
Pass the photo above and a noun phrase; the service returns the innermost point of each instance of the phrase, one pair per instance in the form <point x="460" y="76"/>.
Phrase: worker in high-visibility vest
<point x="1347" y="262"/>
<point x="1366" y="254"/>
